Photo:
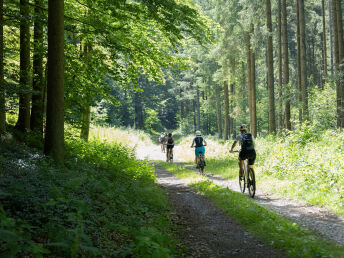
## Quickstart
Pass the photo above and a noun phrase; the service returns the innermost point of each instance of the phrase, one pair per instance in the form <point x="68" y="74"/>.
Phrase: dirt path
<point x="320" y="220"/>
<point x="317" y="219"/>
<point x="208" y="231"/>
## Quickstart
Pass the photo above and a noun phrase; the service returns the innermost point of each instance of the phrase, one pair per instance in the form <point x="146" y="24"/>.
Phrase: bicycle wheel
<point x="242" y="182"/>
<point x="251" y="182"/>
<point x="201" y="166"/>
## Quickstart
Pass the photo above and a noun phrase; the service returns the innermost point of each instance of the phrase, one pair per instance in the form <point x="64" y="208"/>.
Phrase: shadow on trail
<point x="318" y="219"/>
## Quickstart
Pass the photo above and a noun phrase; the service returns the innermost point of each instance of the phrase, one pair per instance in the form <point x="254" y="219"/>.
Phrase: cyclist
<point x="199" y="143"/>
<point x="162" y="140"/>
<point x="169" y="145"/>
<point x="247" y="151"/>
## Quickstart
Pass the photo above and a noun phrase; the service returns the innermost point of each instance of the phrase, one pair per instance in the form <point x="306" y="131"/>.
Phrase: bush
<point x="101" y="203"/>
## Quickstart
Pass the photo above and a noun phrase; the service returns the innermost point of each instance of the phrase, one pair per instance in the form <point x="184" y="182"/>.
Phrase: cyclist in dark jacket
<point x="247" y="151"/>
<point x="169" y="145"/>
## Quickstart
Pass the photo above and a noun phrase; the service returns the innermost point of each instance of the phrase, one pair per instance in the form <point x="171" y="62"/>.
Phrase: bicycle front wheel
<point x="251" y="182"/>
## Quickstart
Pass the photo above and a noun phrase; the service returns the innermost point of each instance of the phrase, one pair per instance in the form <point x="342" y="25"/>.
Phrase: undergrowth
<point x="267" y="226"/>
<point x="103" y="202"/>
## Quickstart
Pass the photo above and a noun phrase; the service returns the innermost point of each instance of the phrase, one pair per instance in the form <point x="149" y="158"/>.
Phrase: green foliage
<point x="152" y="122"/>
<point x="103" y="202"/>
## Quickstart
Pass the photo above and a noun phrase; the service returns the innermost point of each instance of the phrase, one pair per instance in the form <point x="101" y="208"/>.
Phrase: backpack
<point x="247" y="142"/>
<point x="199" y="141"/>
<point x="170" y="140"/>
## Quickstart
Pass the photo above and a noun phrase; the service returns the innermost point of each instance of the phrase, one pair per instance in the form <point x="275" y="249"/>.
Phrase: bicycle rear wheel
<point x="242" y="182"/>
<point x="251" y="182"/>
<point x="201" y="166"/>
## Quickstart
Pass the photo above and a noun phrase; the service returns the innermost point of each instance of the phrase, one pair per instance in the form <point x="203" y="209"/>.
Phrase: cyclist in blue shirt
<point x="199" y="143"/>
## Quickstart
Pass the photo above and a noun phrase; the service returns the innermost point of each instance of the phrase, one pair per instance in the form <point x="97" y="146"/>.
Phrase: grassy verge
<point x="272" y="229"/>
<point x="103" y="202"/>
<point x="307" y="164"/>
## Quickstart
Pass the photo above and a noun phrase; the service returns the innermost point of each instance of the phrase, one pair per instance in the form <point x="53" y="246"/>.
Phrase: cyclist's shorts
<point x="250" y="155"/>
<point x="169" y="146"/>
<point x="198" y="150"/>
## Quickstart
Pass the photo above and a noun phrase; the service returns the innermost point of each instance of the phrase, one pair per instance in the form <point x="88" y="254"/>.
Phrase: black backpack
<point x="247" y="142"/>
<point x="199" y="141"/>
<point x="170" y="140"/>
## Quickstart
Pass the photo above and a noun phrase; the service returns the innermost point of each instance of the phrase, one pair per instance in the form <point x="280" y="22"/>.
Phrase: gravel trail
<point x="317" y="219"/>
<point x="208" y="232"/>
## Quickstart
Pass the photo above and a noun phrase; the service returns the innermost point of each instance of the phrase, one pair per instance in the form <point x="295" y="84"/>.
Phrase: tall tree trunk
<point x="340" y="82"/>
<point x="299" y="90"/>
<point x="85" y="122"/>
<point x="2" y="82"/>
<point x="331" y="36"/>
<point x="280" y="78"/>
<point x="198" y="110"/>
<point x="36" y="121"/>
<point x="86" y="109"/>
<point x="253" y="111"/>
<point x="218" y="110"/>
<point x="324" y="38"/>
<point x="286" y="64"/>
<point x="304" y="92"/>
<point x="182" y="105"/>
<point x="270" y="64"/>
<point x="225" y="92"/>
<point x="232" y="119"/>
<point x="23" y="122"/>
<point x="54" y="136"/>
<point x="194" y="114"/>
<point x="138" y="110"/>
<point x="249" y="75"/>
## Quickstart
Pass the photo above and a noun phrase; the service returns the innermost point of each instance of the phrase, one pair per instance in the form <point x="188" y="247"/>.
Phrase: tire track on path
<point x="209" y="232"/>
<point x="317" y="219"/>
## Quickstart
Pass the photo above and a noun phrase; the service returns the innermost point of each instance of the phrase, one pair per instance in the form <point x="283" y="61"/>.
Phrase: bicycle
<point x="170" y="157"/>
<point x="162" y="145"/>
<point x="201" y="163"/>
<point x="247" y="179"/>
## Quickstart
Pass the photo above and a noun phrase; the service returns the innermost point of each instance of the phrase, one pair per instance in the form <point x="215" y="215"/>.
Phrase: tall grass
<point x="125" y="136"/>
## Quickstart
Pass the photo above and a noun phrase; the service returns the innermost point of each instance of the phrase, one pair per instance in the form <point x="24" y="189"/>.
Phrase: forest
<point x="87" y="86"/>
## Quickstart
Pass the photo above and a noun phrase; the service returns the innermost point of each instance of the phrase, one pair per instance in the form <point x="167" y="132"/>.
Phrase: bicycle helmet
<point x="198" y="133"/>
<point x="243" y="127"/>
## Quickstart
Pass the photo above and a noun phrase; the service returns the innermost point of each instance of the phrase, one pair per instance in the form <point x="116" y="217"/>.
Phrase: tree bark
<point x="304" y="93"/>
<point x="286" y="64"/>
<point x="86" y="109"/>
<point x="198" y="110"/>
<point x="218" y="110"/>
<point x="2" y="82"/>
<point x="54" y="137"/>
<point x="23" y="122"/>
<point x="85" y="122"/>
<point x="232" y="119"/>
<point x="138" y="110"/>
<point x="270" y="64"/>
<point x="324" y="38"/>
<point x="331" y="36"/>
<point x="299" y="89"/>
<point x="225" y="92"/>
<point x="36" y="121"/>
<point x="253" y="112"/>
<point x="280" y="77"/>
<point x="340" y="82"/>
